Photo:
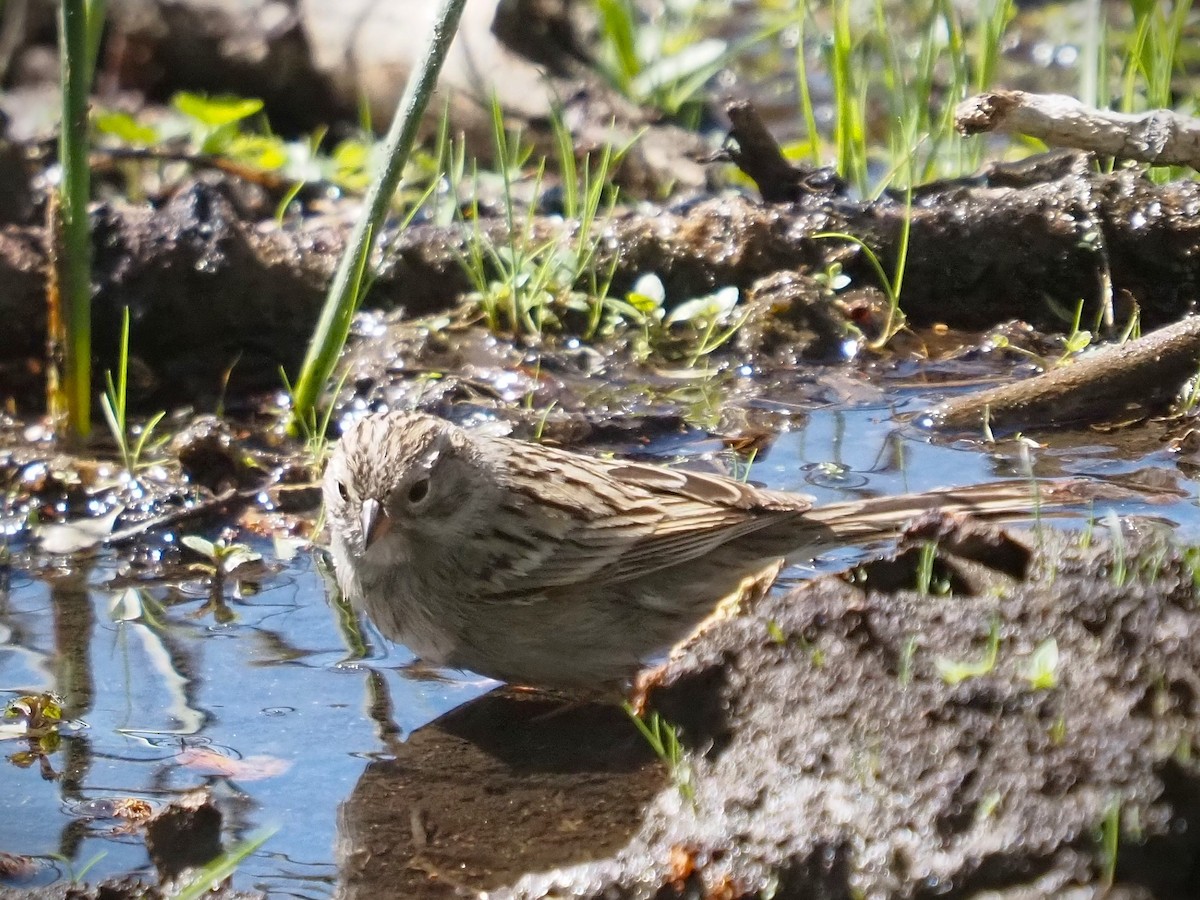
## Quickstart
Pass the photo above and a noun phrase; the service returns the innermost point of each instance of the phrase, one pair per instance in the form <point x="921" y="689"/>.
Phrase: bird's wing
<point x="639" y="519"/>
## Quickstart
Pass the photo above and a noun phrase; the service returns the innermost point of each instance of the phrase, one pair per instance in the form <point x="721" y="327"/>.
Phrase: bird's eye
<point x="418" y="491"/>
<point x="342" y="490"/>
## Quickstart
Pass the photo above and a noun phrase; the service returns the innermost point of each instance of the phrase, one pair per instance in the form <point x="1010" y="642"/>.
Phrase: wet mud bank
<point x="210" y="282"/>
<point x="833" y="753"/>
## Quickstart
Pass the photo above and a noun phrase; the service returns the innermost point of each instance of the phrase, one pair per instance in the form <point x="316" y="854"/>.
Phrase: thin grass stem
<point x="343" y="298"/>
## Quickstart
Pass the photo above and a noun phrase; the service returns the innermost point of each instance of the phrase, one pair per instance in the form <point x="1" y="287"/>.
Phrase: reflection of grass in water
<point x="76" y="876"/>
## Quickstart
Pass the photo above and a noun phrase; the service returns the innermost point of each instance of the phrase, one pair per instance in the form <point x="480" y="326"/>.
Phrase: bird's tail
<point x="879" y="517"/>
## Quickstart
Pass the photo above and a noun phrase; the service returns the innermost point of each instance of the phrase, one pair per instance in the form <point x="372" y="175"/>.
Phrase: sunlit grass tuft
<point x="114" y="404"/>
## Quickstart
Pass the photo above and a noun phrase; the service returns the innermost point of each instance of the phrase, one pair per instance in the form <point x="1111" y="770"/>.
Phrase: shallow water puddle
<point x="279" y="714"/>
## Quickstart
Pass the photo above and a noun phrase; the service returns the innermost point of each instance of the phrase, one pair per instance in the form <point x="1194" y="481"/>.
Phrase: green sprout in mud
<point x="1089" y="528"/>
<point x="1189" y="396"/>
<point x="539" y="431"/>
<point x="530" y="283"/>
<point x="1183" y="750"/>
<point x="1152" y="562"/>
<point x="1110" y="837"/>
<point x="743" y="465"/>
<point x="313" y="426"/>
<point x="815" y="654"/>
<point x="892" y="284"/>
<point x="691" y="331"/>
<point x="1025" y="456"/>
<point x="711" y="319"/>
<point x="1041" y="669"/>
<point x="988" y="806"/>
<point x="663" y="739"/>
<point x="832" y="279"/>
<point x="1119" y="571"/>
<point x="926" y="560"/>
<point x="114" y="404"/>
<point x="956" y="671"/>
<point x="1076" y="341"/>
<point x="908" y="653"/>
<point x="216" y="126"/>
<point x="1191" y="564"/>
<point x="642" y="308"/>
<point x="588" y="199"/>
<point x="1058" y="730"/>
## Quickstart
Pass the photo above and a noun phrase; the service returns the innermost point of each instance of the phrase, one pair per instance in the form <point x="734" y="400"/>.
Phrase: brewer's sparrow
<point x="545" y="567"/>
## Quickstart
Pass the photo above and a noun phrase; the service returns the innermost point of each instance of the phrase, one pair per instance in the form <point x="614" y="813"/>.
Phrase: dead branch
<point x="1101" y="384"/>
<point x="1160" y="137"/>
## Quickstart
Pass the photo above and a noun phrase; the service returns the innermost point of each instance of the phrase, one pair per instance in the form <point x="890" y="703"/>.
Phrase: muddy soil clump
<point x="834" y="757"/>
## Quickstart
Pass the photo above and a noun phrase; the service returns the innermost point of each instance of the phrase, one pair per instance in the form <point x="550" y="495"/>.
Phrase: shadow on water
<point x="293" y="721"/>
<point x="505" y="785"/>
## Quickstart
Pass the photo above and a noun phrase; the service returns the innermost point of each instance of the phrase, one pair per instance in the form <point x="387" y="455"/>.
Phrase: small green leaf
<point x="125" y="128"/>
<point x="205" y="548"/>
<point x="215" y="111"/>
<point x="238" y="555"/>
<point x="955" y="671"/>
<point x="261" y="152"/>
<point x="1078" y="341"/>
<point x="351" y="165"/>
<point x="1042" y="669"/>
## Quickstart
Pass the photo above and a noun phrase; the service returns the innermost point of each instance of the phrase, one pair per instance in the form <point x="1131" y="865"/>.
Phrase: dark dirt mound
<point x="834" y="759"/>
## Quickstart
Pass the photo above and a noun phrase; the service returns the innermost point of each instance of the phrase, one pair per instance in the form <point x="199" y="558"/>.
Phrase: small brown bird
<point x="549" y="568"/>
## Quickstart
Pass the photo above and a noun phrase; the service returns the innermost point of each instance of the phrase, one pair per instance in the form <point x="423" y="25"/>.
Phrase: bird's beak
<point x="375" y="522"/>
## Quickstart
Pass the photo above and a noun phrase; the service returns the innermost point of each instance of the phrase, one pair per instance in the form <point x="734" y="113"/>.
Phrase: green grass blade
<point x="74" y="269"/>
<point x="333" y="327"/>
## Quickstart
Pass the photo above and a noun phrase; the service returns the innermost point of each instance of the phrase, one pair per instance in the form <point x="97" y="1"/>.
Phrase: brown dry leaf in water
<point x="134" y="809"/>
<point x="17" y="867"/>
<point x="249" y="768"/>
